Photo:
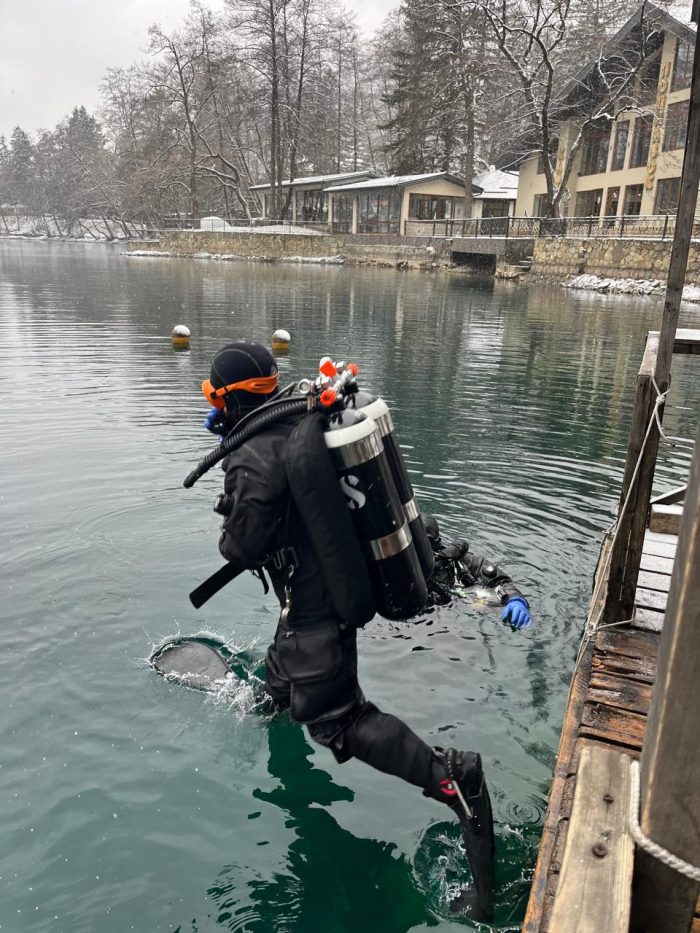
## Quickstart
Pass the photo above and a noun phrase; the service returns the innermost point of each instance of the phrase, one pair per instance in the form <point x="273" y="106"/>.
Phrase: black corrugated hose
<point x="277" y="410"/>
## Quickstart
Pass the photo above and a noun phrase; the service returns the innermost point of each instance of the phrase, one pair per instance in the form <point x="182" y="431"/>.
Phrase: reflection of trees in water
<point x="332" y="880"/>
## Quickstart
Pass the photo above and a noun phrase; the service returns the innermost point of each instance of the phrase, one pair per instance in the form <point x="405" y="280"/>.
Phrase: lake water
<point x="128" y="803"/>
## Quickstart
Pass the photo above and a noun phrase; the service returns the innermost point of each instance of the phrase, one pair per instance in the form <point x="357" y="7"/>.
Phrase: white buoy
<point x="281" y="339"/>
<point x="180" y="336"/>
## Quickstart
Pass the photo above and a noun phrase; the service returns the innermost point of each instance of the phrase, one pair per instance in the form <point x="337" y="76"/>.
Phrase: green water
<point x="128" y="803"/>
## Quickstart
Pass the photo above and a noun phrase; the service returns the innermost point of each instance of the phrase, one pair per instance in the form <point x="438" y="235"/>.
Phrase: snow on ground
<point x="286" y="229"/>
<point x="599" y="283"/>
<point x="229" y="257"/>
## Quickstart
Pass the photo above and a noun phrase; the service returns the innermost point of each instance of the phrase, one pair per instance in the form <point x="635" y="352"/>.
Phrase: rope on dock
<point x="594" y="624"/>
<point x="644" y="842"/>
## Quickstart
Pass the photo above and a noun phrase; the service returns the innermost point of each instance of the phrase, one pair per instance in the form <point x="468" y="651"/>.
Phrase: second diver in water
<point x="311" y="665"/>
<point x="456" y="567"/>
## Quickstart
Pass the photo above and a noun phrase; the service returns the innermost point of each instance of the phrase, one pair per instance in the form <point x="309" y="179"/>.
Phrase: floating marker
<point x="180" y="336"/>
<point x="281" y="340"/>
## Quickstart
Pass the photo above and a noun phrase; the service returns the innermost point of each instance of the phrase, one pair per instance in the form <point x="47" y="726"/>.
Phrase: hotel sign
<point x="655" y="144"/>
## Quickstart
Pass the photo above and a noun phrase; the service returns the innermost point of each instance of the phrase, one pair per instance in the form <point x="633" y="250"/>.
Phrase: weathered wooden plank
<point x="665" y="519"/>
<point x="619" y="692"/>
<point x="656" y="564"/>
<point x="657" y="548"/>
<point x="654" y="581"/>
<point x="642" y="670"/>
<point x="620" y="727"/>
<point x="555" y="862"/>
<point x="687" y="340"/>
<point x="651" y="599"/>
<point x="567" y="740"/>
<point x="663" y="538"/>
<point x="594" y="891"/>
<point x="623" y="641"/>
<point x="670" y="496"/>
<point x="648" y="619"/>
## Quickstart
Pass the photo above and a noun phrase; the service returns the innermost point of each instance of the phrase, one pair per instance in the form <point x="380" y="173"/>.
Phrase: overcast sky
<point x="55" y="52"/>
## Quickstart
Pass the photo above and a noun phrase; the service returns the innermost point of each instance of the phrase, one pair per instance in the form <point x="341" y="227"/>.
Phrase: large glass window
<point x="683" y="66"/>
<point x="667" y="193"/>
<point x="342" y="213"/>
<point x="588" y="203"/>
<point x="633" y="200"/>
<point x="380" y="212"/>
<point x="539" y="207"/>
<point x="312" y="205"/>
<point x="494" y="207"/>
<point x="611" y="202"/>
<point x="594" y="156"/>
<point x="620" y="145"/>
<point x="431" y="207"/>
<point x="640" y="141"/>
<point x="676" y="125"/>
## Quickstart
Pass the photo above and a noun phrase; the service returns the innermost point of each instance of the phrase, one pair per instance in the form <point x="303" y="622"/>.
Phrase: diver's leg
<point x="321" y="664"/>
<point x="277" y="684"/>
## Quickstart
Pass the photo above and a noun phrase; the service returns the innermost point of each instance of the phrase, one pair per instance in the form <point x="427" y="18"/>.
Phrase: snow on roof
<point x="316" y="179"/>
<point x="397" y="181"/>
<point x="497" y="185"/>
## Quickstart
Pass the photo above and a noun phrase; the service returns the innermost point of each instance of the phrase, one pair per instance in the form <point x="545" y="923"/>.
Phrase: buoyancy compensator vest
<point x="378" y="410"/>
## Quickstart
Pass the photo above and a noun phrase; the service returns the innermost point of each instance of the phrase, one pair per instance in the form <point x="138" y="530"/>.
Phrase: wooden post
<point x="664" y="900"/>
<point x="627" y="551"/>
<point x="684" y="228"/>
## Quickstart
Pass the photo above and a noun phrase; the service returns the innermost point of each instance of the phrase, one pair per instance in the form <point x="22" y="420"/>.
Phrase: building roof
<point x="322" y="180"/>
<point x="497" y="185"/>
<point x="398" y="181"/>
<point x="661" y="20"/>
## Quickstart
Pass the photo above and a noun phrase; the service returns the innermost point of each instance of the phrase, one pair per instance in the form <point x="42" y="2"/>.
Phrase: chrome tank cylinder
<point x="358" y="454"/>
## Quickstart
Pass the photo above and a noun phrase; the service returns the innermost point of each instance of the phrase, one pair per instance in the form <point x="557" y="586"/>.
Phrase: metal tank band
<point x="390" y="544"/>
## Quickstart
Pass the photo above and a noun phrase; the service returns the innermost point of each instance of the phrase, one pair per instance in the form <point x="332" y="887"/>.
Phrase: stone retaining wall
<point x="620" y="258"/>
<point x="245" y="245"/>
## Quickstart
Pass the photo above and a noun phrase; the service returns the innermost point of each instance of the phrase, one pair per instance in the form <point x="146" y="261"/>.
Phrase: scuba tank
<point x="360" y="460"/>
<point x="378" y="410"/>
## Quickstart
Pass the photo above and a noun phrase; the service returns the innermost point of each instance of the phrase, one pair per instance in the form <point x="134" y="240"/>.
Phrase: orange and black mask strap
<point x="259" y="385"/>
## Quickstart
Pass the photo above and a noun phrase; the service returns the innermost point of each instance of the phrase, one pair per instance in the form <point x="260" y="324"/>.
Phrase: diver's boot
<point x="458" y="780"/>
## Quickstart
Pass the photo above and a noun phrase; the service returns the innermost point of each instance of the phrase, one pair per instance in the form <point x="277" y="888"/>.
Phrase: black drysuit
<point x="456" y="565"/>
<point x="312" y="664"/>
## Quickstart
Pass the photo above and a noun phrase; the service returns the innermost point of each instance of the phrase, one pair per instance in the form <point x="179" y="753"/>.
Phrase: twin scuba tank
<point x="378" y="493"/>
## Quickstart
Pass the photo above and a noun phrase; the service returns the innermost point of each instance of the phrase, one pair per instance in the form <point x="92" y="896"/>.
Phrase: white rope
<point x="644" y="842"/>
<point x="594" y="624"/>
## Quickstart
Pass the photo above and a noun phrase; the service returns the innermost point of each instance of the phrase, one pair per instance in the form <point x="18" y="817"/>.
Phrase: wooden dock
<point x="608" y="706"/>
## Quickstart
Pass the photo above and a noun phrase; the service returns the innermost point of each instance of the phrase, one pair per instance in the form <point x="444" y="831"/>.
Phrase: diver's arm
<point x="254" y="488"/>
<point x="483" y="573"/>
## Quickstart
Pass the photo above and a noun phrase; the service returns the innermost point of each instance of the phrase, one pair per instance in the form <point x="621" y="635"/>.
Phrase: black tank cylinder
<point x="370" y="493"/>
<point x="378" y="410"/>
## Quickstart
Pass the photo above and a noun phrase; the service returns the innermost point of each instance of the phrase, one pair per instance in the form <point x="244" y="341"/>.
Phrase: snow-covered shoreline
<point x="233" y="257"/>
<point x="648" y="287"/>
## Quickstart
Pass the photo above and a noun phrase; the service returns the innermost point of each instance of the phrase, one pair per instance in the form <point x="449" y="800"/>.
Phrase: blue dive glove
<point x="215" y="421"/>
<point x="517" y="612"/>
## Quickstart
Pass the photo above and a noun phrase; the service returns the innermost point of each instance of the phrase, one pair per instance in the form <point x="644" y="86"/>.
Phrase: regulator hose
<point x="273" y="411"/>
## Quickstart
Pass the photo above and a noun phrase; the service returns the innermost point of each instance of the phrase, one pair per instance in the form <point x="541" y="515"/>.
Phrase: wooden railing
<point x="640" y="464"/>
<point x="656" y="226"/>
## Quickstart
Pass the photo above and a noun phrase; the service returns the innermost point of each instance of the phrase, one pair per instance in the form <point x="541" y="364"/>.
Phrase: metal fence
<point x="654" y="226"/>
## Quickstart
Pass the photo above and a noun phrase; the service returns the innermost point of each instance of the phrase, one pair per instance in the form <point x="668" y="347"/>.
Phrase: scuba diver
<point x="457" y="566"/>
<point x="311" y="665"/>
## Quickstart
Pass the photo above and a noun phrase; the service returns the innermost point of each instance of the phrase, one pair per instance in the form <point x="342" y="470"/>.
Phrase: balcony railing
<point x="655" y="226"/>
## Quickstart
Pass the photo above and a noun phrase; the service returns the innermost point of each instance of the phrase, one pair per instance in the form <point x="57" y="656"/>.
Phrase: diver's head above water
<point x="243" y="376"/>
